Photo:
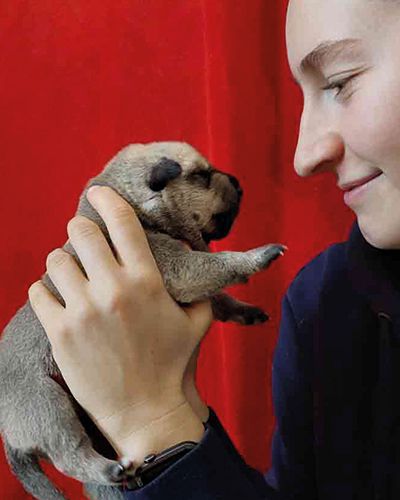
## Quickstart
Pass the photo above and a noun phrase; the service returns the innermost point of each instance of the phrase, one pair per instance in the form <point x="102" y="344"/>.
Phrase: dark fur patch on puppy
<point x="164" y="171"/>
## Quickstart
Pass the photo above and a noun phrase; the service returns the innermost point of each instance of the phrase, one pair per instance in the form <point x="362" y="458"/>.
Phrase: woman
<point x="335" y="367"/>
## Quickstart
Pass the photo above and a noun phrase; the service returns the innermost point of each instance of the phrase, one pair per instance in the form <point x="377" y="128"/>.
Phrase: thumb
<point x="201" y="316"/>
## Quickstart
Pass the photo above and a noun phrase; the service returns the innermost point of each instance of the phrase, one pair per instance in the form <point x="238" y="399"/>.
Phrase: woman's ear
<point x="164" y="171"/>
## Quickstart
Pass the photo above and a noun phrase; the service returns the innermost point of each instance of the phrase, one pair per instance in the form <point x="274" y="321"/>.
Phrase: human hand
<point x="189" y="379"/>
<point x="190" y="388"/>
<point x="122" y="343"/>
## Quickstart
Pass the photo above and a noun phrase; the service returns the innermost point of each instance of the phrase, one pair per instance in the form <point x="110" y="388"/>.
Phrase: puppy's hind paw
<point x="122" y="470"/>
<point x="249" y="315"/>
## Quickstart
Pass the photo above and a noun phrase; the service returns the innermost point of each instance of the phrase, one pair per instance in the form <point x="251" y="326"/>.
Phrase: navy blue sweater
<point x="334" y="389"/>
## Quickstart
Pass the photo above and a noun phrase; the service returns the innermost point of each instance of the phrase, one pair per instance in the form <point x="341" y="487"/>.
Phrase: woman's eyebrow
<point x="329" y="51"/>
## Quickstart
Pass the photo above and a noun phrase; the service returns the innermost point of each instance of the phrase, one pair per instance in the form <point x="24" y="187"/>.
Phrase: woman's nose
<point x="319" y="156"/>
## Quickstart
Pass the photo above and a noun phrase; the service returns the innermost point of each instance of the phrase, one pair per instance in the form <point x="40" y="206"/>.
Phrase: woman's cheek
<point x="374" y="122"/>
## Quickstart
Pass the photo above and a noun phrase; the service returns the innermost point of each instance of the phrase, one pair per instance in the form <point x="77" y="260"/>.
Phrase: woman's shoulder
<point x="330" y="261"/>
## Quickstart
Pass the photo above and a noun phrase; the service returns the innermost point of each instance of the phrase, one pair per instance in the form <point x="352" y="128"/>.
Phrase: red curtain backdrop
<point x="81" y="78"/>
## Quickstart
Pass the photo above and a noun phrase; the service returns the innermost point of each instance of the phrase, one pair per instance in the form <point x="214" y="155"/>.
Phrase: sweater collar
<point x="374" y="273"/>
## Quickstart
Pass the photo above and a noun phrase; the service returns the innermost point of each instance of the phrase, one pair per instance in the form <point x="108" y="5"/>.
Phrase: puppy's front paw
<point x="266" y="254"/>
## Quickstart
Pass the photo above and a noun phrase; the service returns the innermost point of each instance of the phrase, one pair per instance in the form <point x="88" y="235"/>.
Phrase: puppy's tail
<point x="27" y="469"/>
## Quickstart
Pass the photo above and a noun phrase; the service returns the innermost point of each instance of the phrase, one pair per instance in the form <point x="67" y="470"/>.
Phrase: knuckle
<point x="85" y="314"/>
<point x="117" y="300"/>
<point x="63" y="334"/>
<point x="121" y="212"/>
<point x="63" y="339"/>
<point x="149" y="282"/>
<point x="82" y="227"/>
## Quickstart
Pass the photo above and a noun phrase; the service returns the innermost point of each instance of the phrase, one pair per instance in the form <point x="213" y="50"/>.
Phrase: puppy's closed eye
<point x="202" y="176"/>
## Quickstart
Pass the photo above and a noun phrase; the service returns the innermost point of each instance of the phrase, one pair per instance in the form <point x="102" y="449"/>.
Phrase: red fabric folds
<point x="81" y="79"/>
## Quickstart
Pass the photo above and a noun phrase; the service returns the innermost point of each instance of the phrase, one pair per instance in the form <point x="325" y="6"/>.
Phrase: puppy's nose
<point x="235" y="184"/>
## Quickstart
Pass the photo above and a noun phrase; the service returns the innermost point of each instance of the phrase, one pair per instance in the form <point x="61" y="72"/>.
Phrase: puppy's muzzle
<point x="236" y="185"/>
<point x="223" y="221"/>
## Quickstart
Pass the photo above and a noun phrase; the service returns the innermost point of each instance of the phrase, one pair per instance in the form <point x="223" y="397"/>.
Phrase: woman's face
<point x="352" y="130"/>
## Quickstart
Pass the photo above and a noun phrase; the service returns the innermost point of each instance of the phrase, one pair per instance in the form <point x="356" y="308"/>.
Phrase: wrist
<point x="178" y="424"/>
<point x="197" y="404"/>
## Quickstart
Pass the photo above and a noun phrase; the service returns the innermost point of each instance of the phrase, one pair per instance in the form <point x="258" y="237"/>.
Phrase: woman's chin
<point x="384" y="235"/>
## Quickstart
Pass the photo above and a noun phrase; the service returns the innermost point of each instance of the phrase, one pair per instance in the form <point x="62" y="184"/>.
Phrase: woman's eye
<point x="339" y="84"/>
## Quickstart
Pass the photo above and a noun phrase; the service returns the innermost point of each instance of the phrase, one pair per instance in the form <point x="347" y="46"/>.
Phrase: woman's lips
<point x="351" y="185"/>
<point x="355" y="193"/>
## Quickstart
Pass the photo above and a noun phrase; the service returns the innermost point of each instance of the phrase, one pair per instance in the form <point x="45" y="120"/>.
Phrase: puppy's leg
<point x="41" y="417"/>
<point x="191" y="276"/>
<point x="227" y="308"/>
<point x="100" y="492"/>
<point x="27" y="468"/>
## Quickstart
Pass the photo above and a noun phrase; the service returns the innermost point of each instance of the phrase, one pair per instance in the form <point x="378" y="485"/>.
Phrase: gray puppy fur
<point x="177" y="195"/>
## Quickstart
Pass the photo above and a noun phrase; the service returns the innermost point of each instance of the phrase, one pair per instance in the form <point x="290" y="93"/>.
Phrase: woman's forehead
<point x="312" y="24"/>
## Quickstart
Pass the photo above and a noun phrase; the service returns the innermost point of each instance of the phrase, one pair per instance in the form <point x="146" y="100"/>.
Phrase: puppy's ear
<point x="164" y="171"/>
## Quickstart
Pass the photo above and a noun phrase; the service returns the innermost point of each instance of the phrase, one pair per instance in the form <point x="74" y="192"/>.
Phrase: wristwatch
<point x="153" y="465"/>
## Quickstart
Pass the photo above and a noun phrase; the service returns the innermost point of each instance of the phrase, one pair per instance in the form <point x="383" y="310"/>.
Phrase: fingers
<point x="92" y="248"/>
<point x="45" y="306"/>
<point x="66" y="275"/>
<point x="124" y="227"/>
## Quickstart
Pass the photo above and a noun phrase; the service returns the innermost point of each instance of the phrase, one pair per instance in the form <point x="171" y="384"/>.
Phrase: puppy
<point x="177" y="195"/>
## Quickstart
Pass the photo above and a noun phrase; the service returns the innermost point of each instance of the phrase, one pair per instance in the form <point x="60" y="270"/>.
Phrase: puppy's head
<point x="174" y="187"/>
